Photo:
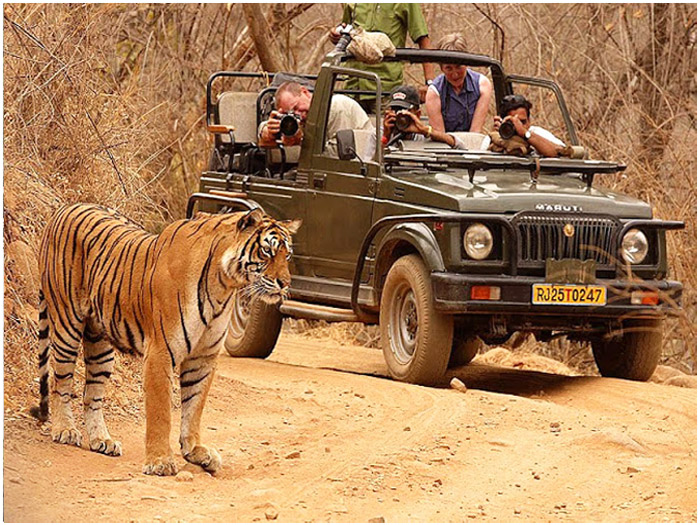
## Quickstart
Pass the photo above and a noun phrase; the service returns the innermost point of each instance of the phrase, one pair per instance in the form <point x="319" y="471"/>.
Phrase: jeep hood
<point x="511" y="192"/>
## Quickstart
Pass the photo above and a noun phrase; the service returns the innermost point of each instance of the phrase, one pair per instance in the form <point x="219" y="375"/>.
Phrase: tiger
<point x="110" y="284"/>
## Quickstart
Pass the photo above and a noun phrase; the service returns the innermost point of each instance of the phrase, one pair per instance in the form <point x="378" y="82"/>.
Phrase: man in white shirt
<point x="516" y="108"/>
<point x="344" y="113"/>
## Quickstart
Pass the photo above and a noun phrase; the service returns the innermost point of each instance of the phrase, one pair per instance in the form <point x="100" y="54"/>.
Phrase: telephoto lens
<point x="289" y="125"/>
<point x="345" y="38"/>
<point x="403" y="121"/>
<point x="506" y="130"/>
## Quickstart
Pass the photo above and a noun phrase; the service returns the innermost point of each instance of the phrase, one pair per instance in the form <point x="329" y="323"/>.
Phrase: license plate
<point x="568" y="294"/>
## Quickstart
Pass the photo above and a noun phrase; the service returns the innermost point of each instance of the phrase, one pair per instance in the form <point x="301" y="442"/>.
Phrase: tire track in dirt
<point x="320" y="444"/>
<point x="379" y="392"/>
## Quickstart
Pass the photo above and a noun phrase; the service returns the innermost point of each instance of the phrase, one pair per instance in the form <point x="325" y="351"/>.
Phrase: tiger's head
<point x="259" y="260"/>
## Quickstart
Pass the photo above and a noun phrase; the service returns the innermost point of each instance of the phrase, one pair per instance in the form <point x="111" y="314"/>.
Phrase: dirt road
<point x="317" y="433"/>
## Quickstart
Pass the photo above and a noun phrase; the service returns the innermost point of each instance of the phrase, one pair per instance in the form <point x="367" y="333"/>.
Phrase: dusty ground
<point x="317" y="433"/>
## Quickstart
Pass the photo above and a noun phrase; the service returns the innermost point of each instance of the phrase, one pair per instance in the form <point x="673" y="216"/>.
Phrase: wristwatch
<point x="528" y="134"/>
<point x="429" y="82"/>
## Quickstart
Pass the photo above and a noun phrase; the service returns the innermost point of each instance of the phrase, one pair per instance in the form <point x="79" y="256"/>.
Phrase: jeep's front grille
<point x="542" y="236"/>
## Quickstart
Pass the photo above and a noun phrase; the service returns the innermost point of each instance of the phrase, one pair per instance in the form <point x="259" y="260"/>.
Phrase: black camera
<point x="403" y="121"/>
<point x="506" y="130"/>
<point x="289" y="124"/>
<point x="345" y="37"/>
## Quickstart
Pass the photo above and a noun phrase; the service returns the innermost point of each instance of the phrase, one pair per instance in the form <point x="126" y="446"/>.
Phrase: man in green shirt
<point x="396" y="21"/>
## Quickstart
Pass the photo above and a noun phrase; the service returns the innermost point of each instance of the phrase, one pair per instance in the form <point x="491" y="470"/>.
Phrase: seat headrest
<point x="237" y="109"/>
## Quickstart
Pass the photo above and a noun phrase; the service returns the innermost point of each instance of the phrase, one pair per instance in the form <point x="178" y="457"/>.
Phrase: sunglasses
<point x="519" y="99"/>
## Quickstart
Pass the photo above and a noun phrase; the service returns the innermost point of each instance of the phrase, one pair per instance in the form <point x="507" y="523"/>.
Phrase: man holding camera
<point x="397" y="21"/>
<point x="403" y="117"/>
<point x="514" y="120"/>
<point x="293" y="98"/>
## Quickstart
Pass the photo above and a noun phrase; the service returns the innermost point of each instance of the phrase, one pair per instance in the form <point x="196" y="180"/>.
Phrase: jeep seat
<point x="365" y="143"/>
<point x="237" y="109"/>
<point x="292" y="153"/>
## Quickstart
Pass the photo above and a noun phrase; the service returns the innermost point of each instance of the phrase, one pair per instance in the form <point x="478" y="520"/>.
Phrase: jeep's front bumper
<point x="452" y="294"/>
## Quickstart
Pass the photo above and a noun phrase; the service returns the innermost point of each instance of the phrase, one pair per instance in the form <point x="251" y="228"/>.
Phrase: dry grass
<point x="104" y="103"/>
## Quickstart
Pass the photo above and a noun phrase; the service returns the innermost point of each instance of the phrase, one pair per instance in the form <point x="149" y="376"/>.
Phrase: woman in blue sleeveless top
<point x="458" y="99"/>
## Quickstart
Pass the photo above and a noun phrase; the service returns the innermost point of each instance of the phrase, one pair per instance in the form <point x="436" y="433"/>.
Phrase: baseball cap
<point x="404" y="97"/>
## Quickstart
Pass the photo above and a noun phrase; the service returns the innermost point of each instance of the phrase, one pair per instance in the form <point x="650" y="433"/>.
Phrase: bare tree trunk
<point x="652" y="61"/>
<point x="266" y="48"/>
<point x="245" y="47"/>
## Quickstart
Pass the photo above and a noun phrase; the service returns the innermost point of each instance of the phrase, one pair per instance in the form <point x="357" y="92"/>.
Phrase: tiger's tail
<point x="42" y="411"/>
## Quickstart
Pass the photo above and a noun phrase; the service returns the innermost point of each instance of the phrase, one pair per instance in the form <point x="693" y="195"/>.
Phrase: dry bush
<point x="342" y="333"/>
<point x="105" y="103"/>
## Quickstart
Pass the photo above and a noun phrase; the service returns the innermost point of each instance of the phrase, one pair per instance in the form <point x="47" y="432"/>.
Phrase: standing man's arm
<point x="418" y="29"/>
<point x="482" y="105"/>
<point x="428" y="71"/>
<point x="333" y="35"/>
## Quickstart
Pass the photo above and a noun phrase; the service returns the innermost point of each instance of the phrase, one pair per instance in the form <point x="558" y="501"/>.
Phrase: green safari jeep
<point x="444" y="248"/>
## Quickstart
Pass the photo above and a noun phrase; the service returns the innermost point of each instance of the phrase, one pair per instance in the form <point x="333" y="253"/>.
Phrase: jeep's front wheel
<point x="253" y="328"/>
<point x="633" y="357"/>
<point x="416" y="339"/>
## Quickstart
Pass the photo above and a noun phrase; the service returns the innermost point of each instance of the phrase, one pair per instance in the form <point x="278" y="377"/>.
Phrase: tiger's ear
<point x="252" y="218"/>
<point x="292" y="226"/>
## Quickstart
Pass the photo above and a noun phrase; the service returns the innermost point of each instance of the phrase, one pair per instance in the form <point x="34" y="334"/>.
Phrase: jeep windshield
<point x="438" y="157"/>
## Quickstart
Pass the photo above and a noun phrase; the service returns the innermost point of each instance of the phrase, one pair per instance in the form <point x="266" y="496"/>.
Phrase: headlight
<point x="634" y="246"/>
<point x="478" y="241"/>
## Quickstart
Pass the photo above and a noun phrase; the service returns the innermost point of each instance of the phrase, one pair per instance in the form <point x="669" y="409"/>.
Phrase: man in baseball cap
<point x="402" y="120"/>
<point x="404" y="97"/>
<point x="402" y="100"/>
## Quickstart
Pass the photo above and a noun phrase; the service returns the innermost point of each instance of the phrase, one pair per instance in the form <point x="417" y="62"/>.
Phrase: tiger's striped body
<point x="109" y="284"/>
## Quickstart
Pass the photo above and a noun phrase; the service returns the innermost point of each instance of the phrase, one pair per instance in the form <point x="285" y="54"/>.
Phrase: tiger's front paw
<point x="161" y="466"/>
<point x="67" y="436"/>
<point x="107" y="447"/>
<point x="208" y="458"/>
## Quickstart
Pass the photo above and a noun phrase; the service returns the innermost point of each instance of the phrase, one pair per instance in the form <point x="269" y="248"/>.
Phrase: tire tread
<point x="432" y="353"/>
<point x="635" y="357"/>
<point x="261" y="332"/>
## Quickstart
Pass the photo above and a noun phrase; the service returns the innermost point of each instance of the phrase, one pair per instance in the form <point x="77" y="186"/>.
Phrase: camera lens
<point x="343" y="42"/>
<point x="403" y="121"/>
<point x="289" y="125"/>
<point x="506" y="130"/>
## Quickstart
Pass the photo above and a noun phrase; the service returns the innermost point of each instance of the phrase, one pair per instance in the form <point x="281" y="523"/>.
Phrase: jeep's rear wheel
<point x="253" y="328"/>
<point x="634" y="357"/>
<point x="416" y="339"/>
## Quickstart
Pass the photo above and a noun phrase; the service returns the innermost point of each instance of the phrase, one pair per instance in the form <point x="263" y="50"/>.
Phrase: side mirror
<point x="346" y="144"/>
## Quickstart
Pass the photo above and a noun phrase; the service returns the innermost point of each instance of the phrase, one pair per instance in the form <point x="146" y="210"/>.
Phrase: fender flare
<point x="420" y="237"/>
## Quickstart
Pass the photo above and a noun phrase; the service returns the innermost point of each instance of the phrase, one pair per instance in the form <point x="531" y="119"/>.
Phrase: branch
<point x="498" y="26"/>
<point x="265" y="47"/>
<point x="244" y="48"/>
<point x="39" y="43"/>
